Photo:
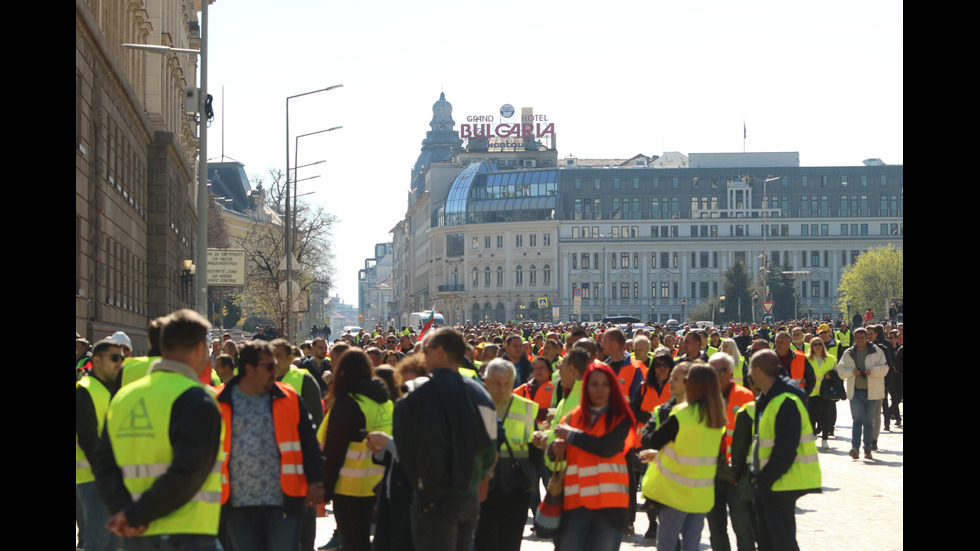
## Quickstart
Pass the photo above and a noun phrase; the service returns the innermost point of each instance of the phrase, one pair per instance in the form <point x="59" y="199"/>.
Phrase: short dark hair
<point x="617" y="335"/>
<point x="451" y="341"/>
<point x="225" y="360"/>
<point x="276" y="343"/>
<point x="766" y="361"/>
<point x="153" y="332"/>
<point x="579" y="359"/>
<point x="249" y="354"/>
<point x="102" y="346"/>
<point x="183" y="330"/>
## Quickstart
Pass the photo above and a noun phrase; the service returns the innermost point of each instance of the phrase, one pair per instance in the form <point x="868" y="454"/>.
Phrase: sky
<point x="616" y="78"/>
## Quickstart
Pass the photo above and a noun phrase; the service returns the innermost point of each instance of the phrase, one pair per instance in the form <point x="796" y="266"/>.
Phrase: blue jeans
<point x="674" y="524"/>
<point x="94" y="517"/>
<point x="585" y="529"/>
<point x="265" y="528"/>
<point x="863" y="418"/>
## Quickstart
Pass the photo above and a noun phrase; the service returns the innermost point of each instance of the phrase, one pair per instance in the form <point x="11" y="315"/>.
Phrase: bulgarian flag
<point x="428" y="324"/>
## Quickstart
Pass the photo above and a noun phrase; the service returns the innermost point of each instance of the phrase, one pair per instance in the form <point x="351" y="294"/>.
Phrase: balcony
<point x="454" y="288"/>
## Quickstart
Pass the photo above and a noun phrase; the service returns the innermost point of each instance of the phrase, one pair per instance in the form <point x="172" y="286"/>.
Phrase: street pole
<point x="202" y="173"/>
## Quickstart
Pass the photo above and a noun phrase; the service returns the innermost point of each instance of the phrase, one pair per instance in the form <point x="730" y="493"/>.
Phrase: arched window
<point x="486" y="276"/>
<point x="476" y="277"/>
<point x="532" y="276"/>
<point x="500" y="276"/>
<point x="518" y="277"/>
<point x="546" y="275"/>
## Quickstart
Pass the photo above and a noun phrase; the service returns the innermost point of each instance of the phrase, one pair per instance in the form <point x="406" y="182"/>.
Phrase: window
<point x="613" y="260"/>
<point x="519" y="240"/>
<point x="546" y="239"/>
<point x="636" y="289"/>
<point x="575" y="232"/>
<point x="454" y="244"/>
<point x="804" y="181"/>
<point x="578" y="183"/>
<point x="500" y="276"/>
<point x="532" y="240"/>
<point x="653" y="263"/>
<point x="614" y="231"/>
<point x="475" y="242"/>
<point x="675" y="182"/>
<point x="596" y="183"/>
<point x="585" y="261"/>
<point x="476" y="277"/>
<point x="595" y="259"/>
<point x="824" y="180"/>
<point x="585" y="291"/>
<point x="624" y="261"/>
<point x="864" y="229"/>
<point x="815" y="258"/>
<point x="664" y="260"/>
<point x="518" y="277"/>
<point x="864" y="180"/>
<point x="532" y="276"/>
<point x="843" y="180"/>
<point x="675" y="260"/>
<point x="704" y="260"/>
<point x="636" y="260"/>
<point x="624" y="290"/>
<point x="546" y="275"/>
<point x="695" y="182"/>
<point x="486" y="276"/>
<point x="704" y="289"/>
<point x="574" y="261"/>
<point x="636" y="183"/>
<point x="714" y="260"/>
<point x="500" y="242"/>
<point x="664" y="290"/>
<point x="654" y="231"/>
<point x="615" y="183"/>
<point x="824" y="229"/>
<point x="884" y="180"/>
<point x="656" y="183"/>
<point x="486" y="242"/>
<point x="740" y="256"/>
<point x="714" y="182"/>
<point x="815" y="289"/>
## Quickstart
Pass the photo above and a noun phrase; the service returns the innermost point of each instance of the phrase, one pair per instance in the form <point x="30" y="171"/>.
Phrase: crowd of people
<point x="445" y="440"/>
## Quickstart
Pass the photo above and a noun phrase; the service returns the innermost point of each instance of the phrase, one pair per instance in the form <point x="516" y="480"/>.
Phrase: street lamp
<point x="683" y="305"/>
<point x="755" y="300"/>
<point x="809" y="312"/>
<point x="202" y="162"/>
<point x="288" y="241"/>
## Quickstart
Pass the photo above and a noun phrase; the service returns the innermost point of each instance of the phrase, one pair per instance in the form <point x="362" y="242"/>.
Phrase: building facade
<point x="135" y="160"/>
<point x="510" y="233"/>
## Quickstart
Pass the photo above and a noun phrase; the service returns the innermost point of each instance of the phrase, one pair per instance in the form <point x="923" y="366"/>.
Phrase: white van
<point x="417" y="319"/>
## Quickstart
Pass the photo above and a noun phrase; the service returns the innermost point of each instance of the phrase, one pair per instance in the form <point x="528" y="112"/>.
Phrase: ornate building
<point x="507" y="232"/>
<point x="135" y="161"/>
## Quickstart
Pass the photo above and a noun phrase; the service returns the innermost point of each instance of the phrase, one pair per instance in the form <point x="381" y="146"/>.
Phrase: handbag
<point x="522" y="482"/>
<point x="548" y="518"/>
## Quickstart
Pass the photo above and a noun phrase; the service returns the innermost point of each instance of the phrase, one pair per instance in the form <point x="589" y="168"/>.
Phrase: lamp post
<point x="755" y="299"/>
<point x="288" y="241"/>
<point x="683" y="306"/>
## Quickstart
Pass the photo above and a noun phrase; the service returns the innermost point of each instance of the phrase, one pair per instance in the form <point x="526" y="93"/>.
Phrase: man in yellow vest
<point x="157" y="465"/>
<point x="272" y="465"/>
<point x="504" y="512"/>
<point x="92" y="395"/>
<point x="784" y="455"/>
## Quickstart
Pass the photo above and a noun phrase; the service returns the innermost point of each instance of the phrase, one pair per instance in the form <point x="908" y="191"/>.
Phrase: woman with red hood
<point x="594" y="438"/>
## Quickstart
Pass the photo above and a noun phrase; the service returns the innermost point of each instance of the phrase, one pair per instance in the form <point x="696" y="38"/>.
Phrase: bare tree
<point x="265" y="249"/>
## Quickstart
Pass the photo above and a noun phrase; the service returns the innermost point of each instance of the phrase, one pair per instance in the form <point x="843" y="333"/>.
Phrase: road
<point x="861" y="506"/>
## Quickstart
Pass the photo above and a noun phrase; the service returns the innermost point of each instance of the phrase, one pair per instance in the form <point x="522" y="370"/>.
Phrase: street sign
<point x="226" y="267"/>
<point x="768" y="318"/>
<point x="767" y="305"/>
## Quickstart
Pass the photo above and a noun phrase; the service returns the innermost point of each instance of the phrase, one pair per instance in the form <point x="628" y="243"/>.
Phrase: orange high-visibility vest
<point x="737" y="397"/>
<point x="285" y="421"/>
<point x="591" y="481"/>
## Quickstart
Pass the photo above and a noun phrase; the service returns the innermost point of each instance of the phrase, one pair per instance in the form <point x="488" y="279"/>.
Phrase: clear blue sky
<point x="617" y="78"/>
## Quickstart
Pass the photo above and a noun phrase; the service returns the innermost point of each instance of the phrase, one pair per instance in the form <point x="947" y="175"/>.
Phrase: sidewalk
<point x="861" y="506"/>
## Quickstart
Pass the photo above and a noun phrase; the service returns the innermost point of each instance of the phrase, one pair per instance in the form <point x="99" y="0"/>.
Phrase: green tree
<point x="737" y="285"/>
<point x="876" y="277"/>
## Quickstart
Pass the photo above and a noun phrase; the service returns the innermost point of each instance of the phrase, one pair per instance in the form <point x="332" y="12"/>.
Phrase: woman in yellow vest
<point x="818" y="406"/>
<point x="594" y="438"/>
<point x="361" y="405"/>
<point x="681" y="476"/>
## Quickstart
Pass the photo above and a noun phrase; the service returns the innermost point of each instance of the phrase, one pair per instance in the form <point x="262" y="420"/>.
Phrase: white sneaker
<point x="824" y="445"/>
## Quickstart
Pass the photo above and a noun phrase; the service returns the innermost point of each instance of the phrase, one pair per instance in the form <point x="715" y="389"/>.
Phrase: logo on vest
<point x="137" y="422"/>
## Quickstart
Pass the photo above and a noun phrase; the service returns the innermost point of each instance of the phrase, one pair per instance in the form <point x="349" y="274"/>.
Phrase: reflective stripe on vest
<point x="100" y="399"/>
<point x="804" y="473"/>
<point x="683" y="473"/>
<point x="519" y="425"/>
<point x="591" y="481"/>
<point x="285" y="423"/>
<point x="138" y="425"/>
<point x="359" y="475"/>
